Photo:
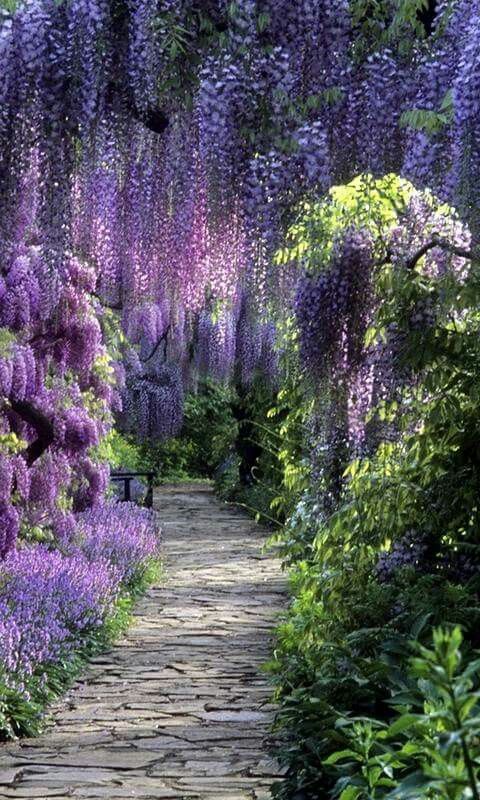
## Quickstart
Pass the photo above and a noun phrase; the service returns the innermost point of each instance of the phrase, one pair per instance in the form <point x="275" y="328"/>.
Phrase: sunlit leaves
<point x="430" y="121"/>
<point x="431" y="748"/>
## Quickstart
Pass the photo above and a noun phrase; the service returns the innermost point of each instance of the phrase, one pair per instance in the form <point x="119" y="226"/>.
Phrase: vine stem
<point x="443" y="244"/>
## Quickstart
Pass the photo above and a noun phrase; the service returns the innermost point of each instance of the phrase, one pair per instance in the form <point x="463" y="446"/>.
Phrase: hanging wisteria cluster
<point x="178" y="186"/>
<point x="366" y="316"/>
<point x="153" y="155"/>
<point x="57" y="392"/>
<point x="333" y="308"/>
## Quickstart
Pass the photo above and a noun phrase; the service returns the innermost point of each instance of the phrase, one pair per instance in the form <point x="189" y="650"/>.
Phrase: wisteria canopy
<point x="152" y="155"/>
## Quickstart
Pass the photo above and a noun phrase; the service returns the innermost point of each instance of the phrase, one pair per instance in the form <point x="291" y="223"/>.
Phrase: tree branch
<point x="51" y="338"/>
<point x="163" y="338"/>
<point x="443" y="244"/>
<point x="42" y="425"/>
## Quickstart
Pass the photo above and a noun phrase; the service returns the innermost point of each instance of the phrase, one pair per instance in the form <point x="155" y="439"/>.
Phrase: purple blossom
<point x="123" y="533"/>
<point x="332" y="308"/>
<point x="50" y="600"/>
<point x="76" y="430"/>
<point x="409" y="551"/>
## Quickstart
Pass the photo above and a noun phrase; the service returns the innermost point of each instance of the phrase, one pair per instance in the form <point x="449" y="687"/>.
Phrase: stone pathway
<point x="179" y="708"/>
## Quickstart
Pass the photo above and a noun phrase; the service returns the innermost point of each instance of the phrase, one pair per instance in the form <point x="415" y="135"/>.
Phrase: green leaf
<point x="340" y="755"/>
<point x="263" y="21"/>
<point x="402" y="724"/>
<point x="351" y="793"/>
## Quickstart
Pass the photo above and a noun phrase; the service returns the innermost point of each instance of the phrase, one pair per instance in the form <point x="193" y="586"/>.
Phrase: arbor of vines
<point x="151" y="155"/>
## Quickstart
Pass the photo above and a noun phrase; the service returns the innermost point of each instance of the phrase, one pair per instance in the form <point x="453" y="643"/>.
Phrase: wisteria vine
<point x="151" y="156"/>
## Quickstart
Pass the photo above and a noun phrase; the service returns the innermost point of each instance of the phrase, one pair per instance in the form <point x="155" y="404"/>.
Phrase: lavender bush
<point x="54" y="604"/>
<point x="122" y="533"/>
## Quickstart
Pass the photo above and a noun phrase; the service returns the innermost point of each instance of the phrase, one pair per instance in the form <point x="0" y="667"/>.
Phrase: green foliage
<point x="365" y="202"/>
<point x="120" y="451"/>
<point x="290" y="414"/>
<point x="397" y="25"/>
<point x="431" y="748"/>
<point x="271" y="430"/>
<point x="345" y="639"/>
<point x="209" y="427"/>
<point x="430" y="121"/>
<point x="206" y="440"/>
<point x="428" y="478"/>
<point x="250" y="472"/>
<point x="7" y="340"/>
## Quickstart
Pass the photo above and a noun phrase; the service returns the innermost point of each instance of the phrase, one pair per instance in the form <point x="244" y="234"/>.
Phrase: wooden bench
<point x="117" y="476"/>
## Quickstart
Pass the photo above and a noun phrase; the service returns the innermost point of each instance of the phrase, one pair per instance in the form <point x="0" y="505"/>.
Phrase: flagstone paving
<point x="180" y="707"/>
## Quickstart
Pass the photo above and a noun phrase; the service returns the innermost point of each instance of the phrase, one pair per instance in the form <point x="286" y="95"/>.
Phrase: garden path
<point x="179" y="708"/>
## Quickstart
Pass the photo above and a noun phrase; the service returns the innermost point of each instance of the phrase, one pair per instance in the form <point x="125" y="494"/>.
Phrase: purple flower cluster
<point x="215" y="346"/>
<point x="425" y="556"/>
<point x="256" y="351"/>
<point x="409" y="551"/>
<point x="332" y="308"/>
<point x="153" y="402"/>
<point x="50" y="599"/>
<point x="122" y="533"/>
<point x="9" y="527"/>
<point x="50" y="340"/>
<point x="77" y="431"/>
